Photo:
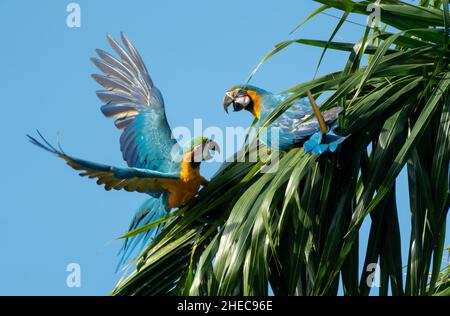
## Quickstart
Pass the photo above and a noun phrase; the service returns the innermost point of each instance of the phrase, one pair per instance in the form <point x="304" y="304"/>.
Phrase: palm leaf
<point x="297" y="231"/>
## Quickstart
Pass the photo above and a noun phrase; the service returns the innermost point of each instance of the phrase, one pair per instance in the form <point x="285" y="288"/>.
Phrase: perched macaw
<point x="316" y="134"/>
<point x="157" y="164"/>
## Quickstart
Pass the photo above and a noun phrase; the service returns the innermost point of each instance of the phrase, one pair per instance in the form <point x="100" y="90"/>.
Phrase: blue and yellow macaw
<point x="157" y="164"/>
<point x="295" y="125"/>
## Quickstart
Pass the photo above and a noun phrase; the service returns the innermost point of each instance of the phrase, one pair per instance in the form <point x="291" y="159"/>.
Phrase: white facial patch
<point x="244" y="100"/>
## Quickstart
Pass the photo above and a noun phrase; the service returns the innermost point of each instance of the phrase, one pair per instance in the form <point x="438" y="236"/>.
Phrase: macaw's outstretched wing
<point x="130" y="97"/>
<point x="128" y="178"/>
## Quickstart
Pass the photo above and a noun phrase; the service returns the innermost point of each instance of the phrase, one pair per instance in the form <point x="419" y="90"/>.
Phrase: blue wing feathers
<point x="128" y="178"/>
<point x="152" y="210"/>
<point x="111" y="62"/>
<point x="138" y="106"/>
<point x="297" y="125"/>
<point x="119" y="172"/>
<point x="113" y="110"/>
<point x="47" y="146"/>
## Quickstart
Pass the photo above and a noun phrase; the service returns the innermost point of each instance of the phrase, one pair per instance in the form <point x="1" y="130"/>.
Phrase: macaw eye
<point x="242" y="92"/>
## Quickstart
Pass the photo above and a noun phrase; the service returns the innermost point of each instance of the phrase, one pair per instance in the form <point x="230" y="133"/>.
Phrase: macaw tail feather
<point x="150" y="211"/>
<point x="318" y="143"/>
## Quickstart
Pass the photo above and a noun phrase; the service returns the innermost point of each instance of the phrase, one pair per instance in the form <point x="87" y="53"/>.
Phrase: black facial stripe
<point x="237" y="106"/>
<point x="250" y="104"/>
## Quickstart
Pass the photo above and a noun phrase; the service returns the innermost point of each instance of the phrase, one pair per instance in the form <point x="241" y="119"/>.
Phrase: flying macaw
<point x="157" y="164"/>
<point x="316" y="134"/>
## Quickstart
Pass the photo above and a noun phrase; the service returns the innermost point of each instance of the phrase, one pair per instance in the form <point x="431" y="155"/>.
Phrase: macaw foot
<point x="318" y="144"/>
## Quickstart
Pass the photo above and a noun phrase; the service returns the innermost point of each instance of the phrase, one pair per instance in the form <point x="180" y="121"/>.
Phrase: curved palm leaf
<point x="296" y="231"/>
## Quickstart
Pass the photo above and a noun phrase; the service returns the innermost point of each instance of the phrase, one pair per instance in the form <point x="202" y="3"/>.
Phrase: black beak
<point x="237" y="106"/>
<point x="227" y="101"/>
<point x="208" y="147"/>
<point x="214" y="146"/>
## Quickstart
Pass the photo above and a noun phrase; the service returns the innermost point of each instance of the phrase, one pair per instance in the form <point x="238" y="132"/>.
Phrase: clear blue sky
<point x="194" y="51"/>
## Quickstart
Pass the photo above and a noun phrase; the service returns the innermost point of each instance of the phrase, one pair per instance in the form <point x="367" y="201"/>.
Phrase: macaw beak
<point x="209" y="147"/>
<point x="203" y="152"/>
<point x="213" y="146"/>
<point x="228" y="100"/>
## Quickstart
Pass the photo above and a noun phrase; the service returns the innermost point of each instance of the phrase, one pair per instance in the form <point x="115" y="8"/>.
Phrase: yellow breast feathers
<point x="256" y="109"/>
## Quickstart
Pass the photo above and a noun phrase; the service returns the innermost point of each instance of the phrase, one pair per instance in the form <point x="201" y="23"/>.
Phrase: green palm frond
<point x="296" y="231"/>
